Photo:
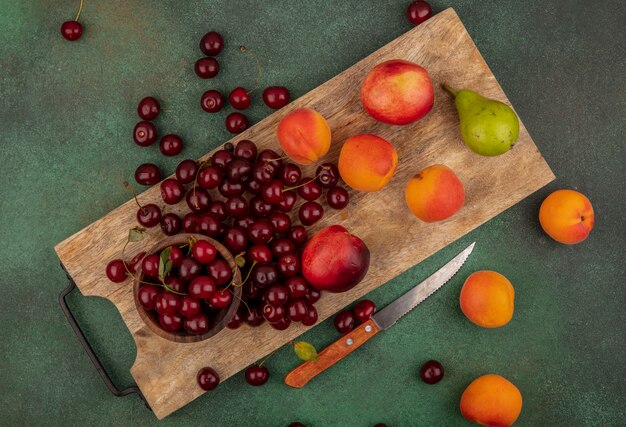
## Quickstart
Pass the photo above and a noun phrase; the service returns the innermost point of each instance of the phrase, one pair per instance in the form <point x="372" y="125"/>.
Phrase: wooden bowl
<point x="218" y="321"/>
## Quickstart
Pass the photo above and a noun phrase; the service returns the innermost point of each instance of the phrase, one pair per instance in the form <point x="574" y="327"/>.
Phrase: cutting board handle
<point x="88" y="349"/>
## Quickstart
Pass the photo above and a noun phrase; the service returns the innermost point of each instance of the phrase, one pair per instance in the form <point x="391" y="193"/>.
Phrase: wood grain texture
<point x="165" y="370"/>
<point x="332" y="354"/>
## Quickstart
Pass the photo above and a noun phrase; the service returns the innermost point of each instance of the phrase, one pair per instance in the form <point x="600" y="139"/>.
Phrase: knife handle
<point x="332" y="354"/>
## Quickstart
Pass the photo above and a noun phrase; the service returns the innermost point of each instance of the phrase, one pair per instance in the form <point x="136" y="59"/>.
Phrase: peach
<point x="487" y="299"/>
<point x="566" y="216"/>
<point x="335" y="260"/>
<point x="367" y="162"/>
<point x="304" y="135"/>
<point x="491" y="400"/>
<point x="397" y="92"/>
<point x="435" y="193"/>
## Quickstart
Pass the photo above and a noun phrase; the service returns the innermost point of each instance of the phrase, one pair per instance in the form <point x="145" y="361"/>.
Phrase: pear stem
<point x="453" y="92"/>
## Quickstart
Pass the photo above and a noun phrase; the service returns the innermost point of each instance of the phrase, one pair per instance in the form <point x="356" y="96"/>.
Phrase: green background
<point x="67" y="113"/>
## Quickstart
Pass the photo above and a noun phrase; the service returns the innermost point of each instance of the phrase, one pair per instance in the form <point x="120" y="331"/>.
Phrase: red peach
<point x="397" y="92"/>
<point x="335" y="260"/>
<point x="304" y="135"/>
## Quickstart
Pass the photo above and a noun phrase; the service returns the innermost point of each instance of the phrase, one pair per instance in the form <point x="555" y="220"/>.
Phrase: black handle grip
<point x="81" y="338"/>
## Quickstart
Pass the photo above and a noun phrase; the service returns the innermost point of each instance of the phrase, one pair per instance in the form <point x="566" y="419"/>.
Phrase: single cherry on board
<point x="149" y="215"/>
<point x="431" y="372"/>
<point x="208" y="379"/>
<point x="116" y="271"/>
<point x="170" y="224"/>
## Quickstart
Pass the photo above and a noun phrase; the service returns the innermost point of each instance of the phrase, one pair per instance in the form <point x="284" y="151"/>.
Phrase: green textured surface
<point x="67" y="113"/>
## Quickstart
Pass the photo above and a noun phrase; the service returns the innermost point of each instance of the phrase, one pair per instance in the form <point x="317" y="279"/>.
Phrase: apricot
<point x="304" y="135"/>
<point x="487" y="299"/>
<point x="434" y="194"/>
<point x="566" y="216"/>
<point x="491" y="400"/>
<point x="397" y="92"/>
<point x="367" y="162"/>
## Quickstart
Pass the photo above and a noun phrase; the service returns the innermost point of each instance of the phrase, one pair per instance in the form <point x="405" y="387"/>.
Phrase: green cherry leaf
<point x="305" y="351"/>
<point x="164" y="262"/>
<point x="240" y="260"/>
<point x="136" y="234"/>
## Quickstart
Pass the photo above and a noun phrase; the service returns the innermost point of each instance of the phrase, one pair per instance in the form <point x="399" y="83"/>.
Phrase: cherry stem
<point x="267" y="358"/>
<point x="242" y="48"/>
<point x="80" y="9"/>
<point x="244" y="280"/>
<point x="309" y="181"/>
<point x="240" y="299"/>
<point x="131" y="190"/>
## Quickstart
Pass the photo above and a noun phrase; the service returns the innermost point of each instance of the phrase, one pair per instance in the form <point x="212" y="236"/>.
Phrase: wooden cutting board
<point x="165" y="371"/>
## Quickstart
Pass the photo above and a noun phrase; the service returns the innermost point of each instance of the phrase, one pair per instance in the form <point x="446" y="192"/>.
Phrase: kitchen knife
<point x="380" y="321"/>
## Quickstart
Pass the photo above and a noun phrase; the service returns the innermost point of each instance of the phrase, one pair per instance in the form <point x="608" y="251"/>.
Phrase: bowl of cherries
<point x="187" y="288"/>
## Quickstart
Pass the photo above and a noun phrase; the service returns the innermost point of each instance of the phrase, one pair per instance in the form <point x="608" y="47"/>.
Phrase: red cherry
<point x="147" y="295"/>
<point x="212" y="43"/>
<point x="313" y="295"/>
<point x="170" y="322"/>
<point x="311" y="316"/>
<point x="235" y="239"/>
<point x="71" y="30"/>
<point x="203" y="251"/>
<point x="176" y="256"/>
<point x="253" y="316"/>
<point x="171" y="145"/>
<point x="198" y="199"/>
<point x="297" y="287"/>
<point x="431" y="372"/>
<point x="212" y="101"/>
<point x="209" y="177"/>
<point x="276" y="97"/>
<point x="149" y="215"/>
<point x="150" y="265"/>
<point x="116" y="271"/>
<point x="327" y="175"/>
<point x="221" y="299"/>
<point x="202" y="287"/>
<point x="148" y="108"/>
<point x="337" y="197"/>
<point x="309" y="190"/>
<point x="176" y="284"/>
<point x="259" y="253"/>
<point x="257" y="375"/>
<point x="189" y="269"/>
<point x="218" y="210"/>
<point x="197" y="324"/>
<point x="273" y="313"/>
<point x="288" y="202"/>
<point x="207" y="68"/>
<point x="208" y="225"/>
<point x="189" y="306"/>
<point x="245" y="150"/>
<point x="298" y="235"/>
<point x="144" y="134"/>
<point x="418" y="12"/>
<point x="147" y="174"/>
<point x="134" y="263"/>
<point x="363" y="310"/>
<point x="290" y="174"/>
<point x="221" y="159"/>
<point x="172" y="191"/>
<point x="235" y="322"/>
<point x="167" y="303"/>
<point x="282" y="324"/>
<point x="310" y="213"/>
<point x="281" y="222"/>
<point x="170" y="224"/>
<point x="297" y="309"/>
<point x="208" y="379"/>
<point x="236" y="123"/>
<point x="289" y="265"/>
<point x="239" y="98"/>
<point x="186" y="171"/>
<point x="344" y="322"/>
<point x="189" y="222"/>
<point x="220" y="271"/>
<point x="275" y="296"/>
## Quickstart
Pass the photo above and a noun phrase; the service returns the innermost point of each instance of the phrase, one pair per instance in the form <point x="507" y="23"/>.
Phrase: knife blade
<point x="380" y="321"/>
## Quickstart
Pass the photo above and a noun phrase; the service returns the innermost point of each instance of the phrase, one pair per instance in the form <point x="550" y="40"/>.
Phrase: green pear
<point x="488" y="127"/>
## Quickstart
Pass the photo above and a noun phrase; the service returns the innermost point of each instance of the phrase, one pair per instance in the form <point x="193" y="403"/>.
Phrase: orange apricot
<point x="304" y="135"/>
<point x="566" y="216"/>
<point x="367" y="162"/>
<point x="434" y="194"/>
<point x="487" y="299"/>
<point x="491" y="400"/>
